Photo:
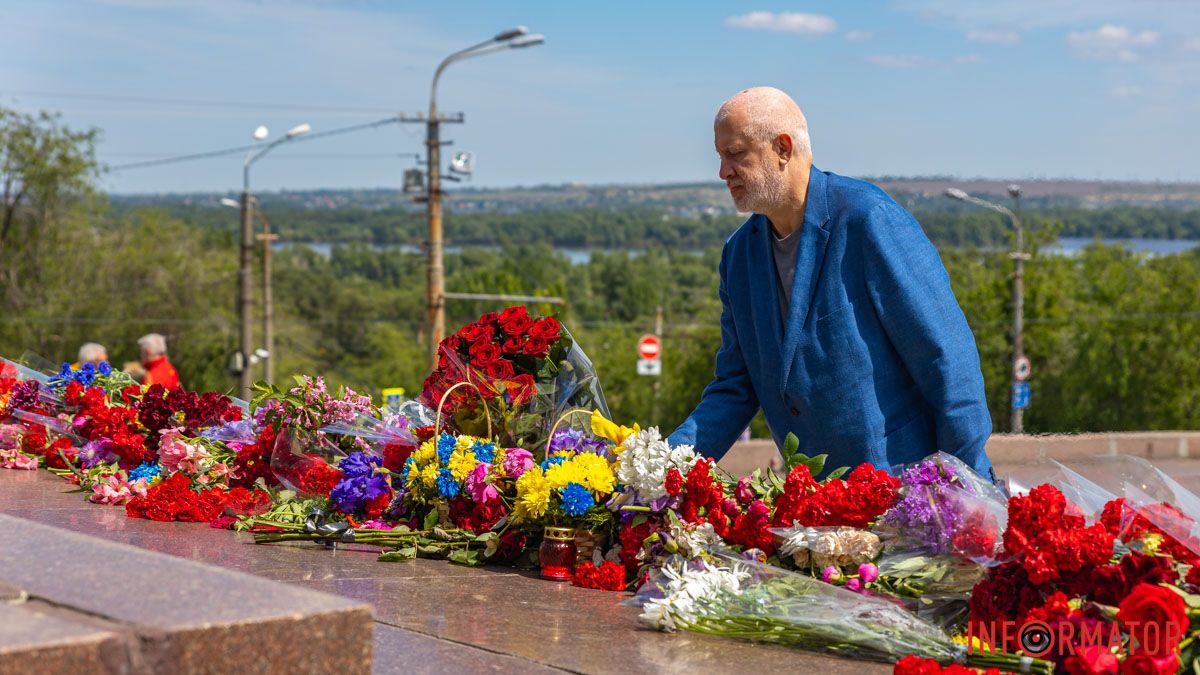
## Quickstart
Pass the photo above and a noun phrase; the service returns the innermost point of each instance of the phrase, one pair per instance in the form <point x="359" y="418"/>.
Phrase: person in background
<point x="154" y="358"/>
<point x="93" y="353"/>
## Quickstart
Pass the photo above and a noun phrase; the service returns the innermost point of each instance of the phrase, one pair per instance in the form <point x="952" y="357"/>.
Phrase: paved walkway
<point x="431" y="616"/>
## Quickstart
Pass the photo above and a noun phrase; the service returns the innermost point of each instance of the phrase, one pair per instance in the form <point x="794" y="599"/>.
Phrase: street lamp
<point x="1020" y="366"/>
<point x="245" y="299"/>
<point x="514" y="38"/>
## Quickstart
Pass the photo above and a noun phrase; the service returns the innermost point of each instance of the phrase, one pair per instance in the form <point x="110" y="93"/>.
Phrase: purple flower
<point x="96" y="452"/>
<point x="933" y="508"/>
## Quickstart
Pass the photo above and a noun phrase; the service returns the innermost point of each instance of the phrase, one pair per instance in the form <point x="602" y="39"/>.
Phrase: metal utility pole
<point x="245" y="294"/>
<point x="1020" y="365"/>
<point x="267" y="239"/>
<point x="436" y="296"/>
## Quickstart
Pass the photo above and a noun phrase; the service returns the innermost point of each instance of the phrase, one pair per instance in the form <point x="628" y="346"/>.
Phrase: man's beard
<point x="763" y="195"/>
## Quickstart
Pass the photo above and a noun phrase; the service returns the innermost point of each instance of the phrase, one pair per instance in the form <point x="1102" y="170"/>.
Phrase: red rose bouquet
<point x="527" y="370"/>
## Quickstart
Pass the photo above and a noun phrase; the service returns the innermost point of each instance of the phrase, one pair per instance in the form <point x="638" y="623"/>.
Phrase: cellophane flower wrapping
<point x="725" y="594"/>
<point x="946" y="508"/>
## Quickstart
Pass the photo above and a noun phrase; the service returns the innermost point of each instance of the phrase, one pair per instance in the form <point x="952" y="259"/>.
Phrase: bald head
<point x="765" y="113"/>
<point x="762" y="139"/>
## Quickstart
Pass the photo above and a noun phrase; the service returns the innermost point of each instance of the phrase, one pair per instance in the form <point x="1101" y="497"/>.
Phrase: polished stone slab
<point x="188" y="617"/>
<point x="36" y="638"/>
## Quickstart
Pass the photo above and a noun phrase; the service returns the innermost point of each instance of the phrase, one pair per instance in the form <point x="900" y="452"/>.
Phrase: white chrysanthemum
<point x="694" y="539"/>
<point x="643" y="465"/>
<point x="689" y="593"/>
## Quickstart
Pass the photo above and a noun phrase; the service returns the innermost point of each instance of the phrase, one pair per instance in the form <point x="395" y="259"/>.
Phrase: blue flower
<point x="445" y="446"/>
<point x="484" y="452"/>
<point x="409" y="464"/>
<point x="359" y="465"/>
<point x="146" y="470"/>
<point x="576" y="499"/>
<point x="105" y="369"/>
<point x="551" y="461"/>
<point x="446" y="485"/>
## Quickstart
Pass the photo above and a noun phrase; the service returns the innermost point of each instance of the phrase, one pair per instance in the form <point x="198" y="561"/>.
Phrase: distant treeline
<point x="645" y="228"/>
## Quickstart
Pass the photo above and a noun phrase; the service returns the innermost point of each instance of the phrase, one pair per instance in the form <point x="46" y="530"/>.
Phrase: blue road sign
<point x="1020" y="395"/>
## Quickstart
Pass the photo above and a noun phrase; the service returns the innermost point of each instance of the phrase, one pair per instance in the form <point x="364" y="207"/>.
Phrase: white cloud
<point x="968" y="59"/>
<point x="995" y="37"/>
<point x="859" y="35"/>
<point x="899" y="60"/>
<point x="1192" y="45"/>
<point x="1111" y="43"/>
<point x="1125" y="92"/>
<point x="784" y="22"/>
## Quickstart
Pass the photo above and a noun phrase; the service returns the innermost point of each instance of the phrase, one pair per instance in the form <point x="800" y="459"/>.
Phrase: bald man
<point x="837" y="316"/>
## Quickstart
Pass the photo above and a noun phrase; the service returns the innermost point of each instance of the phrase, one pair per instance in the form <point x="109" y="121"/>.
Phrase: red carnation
<point x="674" y="482"/>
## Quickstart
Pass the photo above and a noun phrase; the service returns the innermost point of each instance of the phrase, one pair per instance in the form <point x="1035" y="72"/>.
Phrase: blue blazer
<point x="876" y="362"/>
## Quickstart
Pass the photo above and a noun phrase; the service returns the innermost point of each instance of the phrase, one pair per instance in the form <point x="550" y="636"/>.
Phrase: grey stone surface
<point x="36" y="638"/>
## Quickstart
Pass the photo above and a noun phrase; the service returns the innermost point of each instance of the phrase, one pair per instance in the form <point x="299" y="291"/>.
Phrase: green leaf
<point x="638" y="520"/>
<point x="837" y="473"/>
<point x="790" y="444"/>
<point x="467" y="557"/>
<point x="401" y="555"/>
<point x="776" y="481"/>
<point x="431" y="519"/>
<point x="817" y="464"/>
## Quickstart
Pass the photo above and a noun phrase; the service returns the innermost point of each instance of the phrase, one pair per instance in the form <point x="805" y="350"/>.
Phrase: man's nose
<point x="726" y="170"/>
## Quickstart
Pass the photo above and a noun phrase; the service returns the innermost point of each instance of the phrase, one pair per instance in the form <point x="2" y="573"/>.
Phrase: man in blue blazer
<point x="837" y="319"/>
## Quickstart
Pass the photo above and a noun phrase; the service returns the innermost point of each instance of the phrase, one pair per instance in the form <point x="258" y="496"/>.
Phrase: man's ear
<point x="784" y="148"/>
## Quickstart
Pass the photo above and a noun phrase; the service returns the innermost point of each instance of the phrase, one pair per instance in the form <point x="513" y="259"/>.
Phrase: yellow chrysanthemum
<point x="533" y="495"/>
<point x="464" y="442"/>
<point x="429" y="475"/>
<point x="461" y="463"/>
<point x="596" y="472"/>
<point x="426" y="453"/>
<point x="558" y="475"/>
<point x="605" y="428"/>
<point x="498" y="462"/>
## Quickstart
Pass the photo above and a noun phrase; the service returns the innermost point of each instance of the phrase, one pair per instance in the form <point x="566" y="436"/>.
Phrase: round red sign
<point x="649" y="347"/>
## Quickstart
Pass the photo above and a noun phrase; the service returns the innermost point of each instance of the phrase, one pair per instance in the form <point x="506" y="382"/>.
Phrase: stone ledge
<point x="185" y="617"/>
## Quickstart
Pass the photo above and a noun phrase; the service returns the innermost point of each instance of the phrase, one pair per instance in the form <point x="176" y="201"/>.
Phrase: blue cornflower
<point x="484" y="452"/>
<point x="445" y="446"/>
<point x="551" y="461"/>
<point x="409" y="465"/>
<point x="145" y="470"/>
<point x="576" y="499"/>
<point x="105" y="369"/>
<point x="446" y="485"/>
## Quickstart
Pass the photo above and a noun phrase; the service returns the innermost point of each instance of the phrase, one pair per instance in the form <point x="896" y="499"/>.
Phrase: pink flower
<point x="477" y="486"/>
<point x="854" y="584"/>
<point x="868" y="572"/>
<point x="744" y="494"/>
<point x="111" y="490"/>
<point x="15" y="459"/>
<point x="516" y="462"/>
<point x="172" y="449"/>
<point x="831" y="574"/>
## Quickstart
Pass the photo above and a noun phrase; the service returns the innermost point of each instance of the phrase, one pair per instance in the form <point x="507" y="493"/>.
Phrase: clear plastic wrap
<point x="389" y="439"/>
<point x="946" y="509"/>
<point x="816" y="548"/>
<point x="728" y="595"/>
<point x="305" y="462"/>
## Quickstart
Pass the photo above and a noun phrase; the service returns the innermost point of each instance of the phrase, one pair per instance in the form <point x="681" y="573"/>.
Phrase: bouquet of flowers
<point x="527" y="370"/>
<point x="725" y="594"/>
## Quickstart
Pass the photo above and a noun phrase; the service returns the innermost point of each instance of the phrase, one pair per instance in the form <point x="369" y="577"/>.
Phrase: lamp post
<point x="514" y="38"/>
<point x="245" y="294"/>
<point x="1019" y="257"/>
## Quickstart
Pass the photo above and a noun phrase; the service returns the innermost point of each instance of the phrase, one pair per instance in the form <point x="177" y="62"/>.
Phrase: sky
<point x="621" y="92"/>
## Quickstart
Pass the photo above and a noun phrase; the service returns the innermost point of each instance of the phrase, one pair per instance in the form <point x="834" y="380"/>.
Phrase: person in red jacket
<point x="154" y="358"/>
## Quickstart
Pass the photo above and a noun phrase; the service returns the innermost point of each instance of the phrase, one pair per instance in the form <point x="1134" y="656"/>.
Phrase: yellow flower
<point x="461" y="463"/>
<point x="498" y="462"/>
<point x="533" y="495"/>
<point x="596" y="472"/>
<point x="429" y="475"/>
<point x="426" y="453"/>
<point x="558" y="475"/>
<point x="605" y="428"/>
<point x="464" y="442"/>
